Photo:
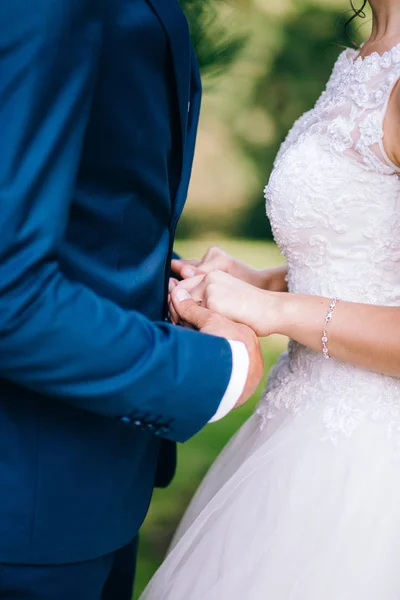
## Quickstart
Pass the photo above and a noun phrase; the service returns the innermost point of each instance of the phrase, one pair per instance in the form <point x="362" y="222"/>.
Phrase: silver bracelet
<point x="328" y="318"/>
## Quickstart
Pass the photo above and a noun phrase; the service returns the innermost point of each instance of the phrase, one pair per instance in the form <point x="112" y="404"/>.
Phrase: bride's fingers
<point x="191" y="283"/>
<point x="179" y="265"/>
<point x="197" y="292"/>
<point x="206" y="266"/>
<point x="192" y="270"/>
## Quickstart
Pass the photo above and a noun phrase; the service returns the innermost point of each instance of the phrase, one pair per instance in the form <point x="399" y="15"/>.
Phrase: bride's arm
<point x="361" y="334"/>
<point x="216" y="259"/>
<point x="364" y="335"/>
<point x="274" y="280"/>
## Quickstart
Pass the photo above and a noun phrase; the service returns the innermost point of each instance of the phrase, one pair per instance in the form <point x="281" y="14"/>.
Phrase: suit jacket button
<point x="126" y="419"/>
<point x="162" y="430"/>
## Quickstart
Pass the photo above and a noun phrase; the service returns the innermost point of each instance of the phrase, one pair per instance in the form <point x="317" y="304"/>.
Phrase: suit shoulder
<point x="21" y="20"/>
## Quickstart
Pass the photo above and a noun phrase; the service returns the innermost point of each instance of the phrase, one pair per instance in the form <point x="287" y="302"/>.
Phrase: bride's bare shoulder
<point x="392" y="126"/>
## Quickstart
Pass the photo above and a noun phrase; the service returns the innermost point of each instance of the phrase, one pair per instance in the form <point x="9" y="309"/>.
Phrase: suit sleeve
<point x="58" y="337"/>
<point x="171" y="273"/>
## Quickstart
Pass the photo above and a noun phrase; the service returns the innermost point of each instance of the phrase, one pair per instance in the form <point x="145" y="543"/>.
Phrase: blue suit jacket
<point x="99" y="103"/>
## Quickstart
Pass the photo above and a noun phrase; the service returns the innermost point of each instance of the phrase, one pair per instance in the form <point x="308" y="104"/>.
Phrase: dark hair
<point x="358" y="12"/>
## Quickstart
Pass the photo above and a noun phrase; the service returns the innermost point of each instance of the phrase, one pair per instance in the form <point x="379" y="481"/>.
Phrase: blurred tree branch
<point x="216" y="46"/>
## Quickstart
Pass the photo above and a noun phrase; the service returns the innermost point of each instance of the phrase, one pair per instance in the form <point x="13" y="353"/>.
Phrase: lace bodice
<point x="333" y="200"/>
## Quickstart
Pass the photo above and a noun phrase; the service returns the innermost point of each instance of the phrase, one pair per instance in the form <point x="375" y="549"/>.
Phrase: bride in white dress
<point x="304" y="503"/>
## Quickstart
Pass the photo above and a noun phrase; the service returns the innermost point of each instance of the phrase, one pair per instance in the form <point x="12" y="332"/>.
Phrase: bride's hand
<point x="216" y="259"/>
<point x="235" y="299"/>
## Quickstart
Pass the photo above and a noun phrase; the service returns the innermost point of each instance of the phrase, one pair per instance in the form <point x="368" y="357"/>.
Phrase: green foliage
<point x="217" y="47"/>
<point x="275" y="77"/>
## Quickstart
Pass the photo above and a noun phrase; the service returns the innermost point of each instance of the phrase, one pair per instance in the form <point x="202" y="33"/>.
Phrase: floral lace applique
<point x="350" y="112"/>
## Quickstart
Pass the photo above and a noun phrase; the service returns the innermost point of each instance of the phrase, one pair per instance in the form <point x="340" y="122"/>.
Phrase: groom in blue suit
<point x="99" y="103"/>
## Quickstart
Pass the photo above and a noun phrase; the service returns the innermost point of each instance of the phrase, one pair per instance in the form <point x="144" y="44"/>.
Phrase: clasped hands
<point x="223" y="285"/>
<point x="219" y="296"/>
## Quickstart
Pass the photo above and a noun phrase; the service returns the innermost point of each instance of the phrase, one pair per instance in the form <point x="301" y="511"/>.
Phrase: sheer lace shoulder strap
<point x="350" y="113"/>
<point x="381" y="73"/>
<point x="356" y="106"/>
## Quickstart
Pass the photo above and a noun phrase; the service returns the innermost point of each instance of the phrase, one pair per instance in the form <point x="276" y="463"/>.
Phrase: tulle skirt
<point x="285" y="514"/>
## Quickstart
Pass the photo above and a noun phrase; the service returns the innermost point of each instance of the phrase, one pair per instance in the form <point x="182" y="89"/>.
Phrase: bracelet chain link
<point x="328" y="318"/>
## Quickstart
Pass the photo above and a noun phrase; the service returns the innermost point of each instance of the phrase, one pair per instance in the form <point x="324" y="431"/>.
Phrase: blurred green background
<point x="264" y="62"/>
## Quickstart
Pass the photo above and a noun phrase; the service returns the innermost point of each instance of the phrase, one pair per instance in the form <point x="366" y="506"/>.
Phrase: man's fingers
<point x="172" y="284"/>
<point x="196" y="287"/>
<point x="173" y="315"/>
<point x="188" y="310"/>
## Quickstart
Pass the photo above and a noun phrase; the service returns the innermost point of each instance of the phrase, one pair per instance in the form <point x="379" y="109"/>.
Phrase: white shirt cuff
<point x="240" y="372"/>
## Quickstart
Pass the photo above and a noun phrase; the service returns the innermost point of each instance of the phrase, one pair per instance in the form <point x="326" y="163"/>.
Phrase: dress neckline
<point x="355" y="57"/>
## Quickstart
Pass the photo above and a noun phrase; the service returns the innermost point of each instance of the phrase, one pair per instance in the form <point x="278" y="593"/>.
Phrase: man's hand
<point x="172" y="284"/>
<point x="206" y="321"/>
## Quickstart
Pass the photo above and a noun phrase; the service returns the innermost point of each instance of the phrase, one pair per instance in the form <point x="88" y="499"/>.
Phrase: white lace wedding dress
<point x="304" y="503"/>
